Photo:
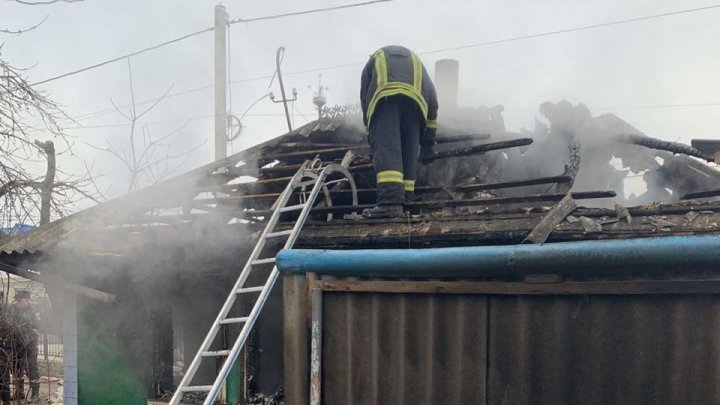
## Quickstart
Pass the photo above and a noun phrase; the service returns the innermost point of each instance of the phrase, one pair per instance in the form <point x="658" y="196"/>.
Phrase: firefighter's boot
<point x="384" y="211"/>
<point x="35" y="393"/>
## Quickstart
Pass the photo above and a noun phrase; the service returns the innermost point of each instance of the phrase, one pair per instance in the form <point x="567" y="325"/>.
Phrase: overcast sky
<point x="670" y="60"/>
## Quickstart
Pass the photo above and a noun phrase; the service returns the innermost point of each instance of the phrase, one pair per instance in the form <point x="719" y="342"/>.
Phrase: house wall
<point x="105" y="376"/>
<point x="424" y="348"/>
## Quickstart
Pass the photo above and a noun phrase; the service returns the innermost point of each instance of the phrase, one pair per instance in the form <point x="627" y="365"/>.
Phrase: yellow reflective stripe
<point x="409" y="185"/>
<point x="381" y="68"/>
<point x="390" y="176"/>
<point x="417" y="73"/>
<point x="395" y="88"/>
<point x="410" y="91"/>
<point x="431" y="124"/>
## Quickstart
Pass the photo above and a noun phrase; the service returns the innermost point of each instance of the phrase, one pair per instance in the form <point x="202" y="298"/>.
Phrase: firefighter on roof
<point x="399" y="106"/>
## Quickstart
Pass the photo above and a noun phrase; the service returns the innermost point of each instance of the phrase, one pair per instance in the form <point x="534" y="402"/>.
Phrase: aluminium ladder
<point x="305" y="177"/>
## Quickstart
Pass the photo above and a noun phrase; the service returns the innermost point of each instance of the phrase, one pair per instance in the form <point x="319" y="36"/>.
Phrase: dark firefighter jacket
<point x="395" y="70"/>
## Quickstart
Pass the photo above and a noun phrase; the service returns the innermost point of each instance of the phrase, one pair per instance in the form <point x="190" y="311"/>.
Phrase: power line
<point x="518" y="38"/>
<point x="209" y="29"/>
<point x="346" y="65"/>
<point x="631" y="107"/>
<point x="313" y="11"/>
<point x="167" y="121"/>
<point x="529" y="110"/>
<point x="581" y="28"/>
<point x="641" y="107"/>
<point x="119" y="58"/>
<point x="99" y="113"/>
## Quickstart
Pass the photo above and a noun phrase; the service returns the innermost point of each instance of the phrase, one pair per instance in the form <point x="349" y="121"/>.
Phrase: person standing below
<point x="399" y="105"/>
<point x="5" y="351"/>
<point x="24" y="343"/>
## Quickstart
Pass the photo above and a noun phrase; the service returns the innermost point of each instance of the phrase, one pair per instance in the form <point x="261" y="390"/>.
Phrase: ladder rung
<point x="197" y="388"/>
<point x="278" y="234"/>
<point x="263" y="261"/>
<point x="233" y="320"/>
<point x="217" y="353"/>
<point x="292" y="208"/>
<point x="249" y="289"/>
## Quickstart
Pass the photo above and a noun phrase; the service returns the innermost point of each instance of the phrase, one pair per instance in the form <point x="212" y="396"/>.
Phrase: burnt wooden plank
<point x="540" y="233"/>
<point x="511" y="200"/>
<point x="298" y="146"/>
<point x="477" y="149"/>
<point x="659" y="209"/>
<point x="284" y="170"/>
<point x="447" y="203"/>
<point x="462" y="138"/>
<point x="484" y="230"/>
<point x="324" y="154"/>
<point x="701" y="194"/>
<point x="370" y="193"/>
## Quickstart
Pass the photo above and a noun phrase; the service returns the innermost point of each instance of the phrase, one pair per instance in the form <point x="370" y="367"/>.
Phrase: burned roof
<point x="486" y="185"/>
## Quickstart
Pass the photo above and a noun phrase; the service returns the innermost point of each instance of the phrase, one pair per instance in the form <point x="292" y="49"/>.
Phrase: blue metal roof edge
<point x="646" y="255"/>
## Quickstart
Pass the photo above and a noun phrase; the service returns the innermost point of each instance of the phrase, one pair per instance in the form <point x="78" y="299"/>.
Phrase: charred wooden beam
<point x="649" y="210"/>
<point x="285" y="170"/>
<point x="476" y="149"/>
<point x="710" y="147"/>
<point x="324" y="154"/>
<point x="462" y="138"/>
<point x="227" y="174"/>
<point x="494" y="186"/>
<point x="559" y="212"/>
<point x="450" y="203"/>
<point x="585" y="195"/>
<point x="370" y="192"/>
<point x="484" y="229"/>
<point x="673" y="147"/>
<point x="298" y="146"/>
<point x="701" y="194"/>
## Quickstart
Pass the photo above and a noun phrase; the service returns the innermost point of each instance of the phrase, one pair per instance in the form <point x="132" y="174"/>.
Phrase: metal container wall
<point x="381" y="348"/>
<point x="404" y="349"/>
<point x="604" y="350"/>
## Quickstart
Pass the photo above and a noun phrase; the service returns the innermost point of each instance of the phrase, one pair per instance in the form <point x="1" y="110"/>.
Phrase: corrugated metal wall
<point x="604" y="350"/>
<point x="507" y="350"/>
<point x="404" y="349"/>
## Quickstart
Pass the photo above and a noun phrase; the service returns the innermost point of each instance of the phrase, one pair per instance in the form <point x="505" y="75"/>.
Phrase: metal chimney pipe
<point x="446" y="82"/>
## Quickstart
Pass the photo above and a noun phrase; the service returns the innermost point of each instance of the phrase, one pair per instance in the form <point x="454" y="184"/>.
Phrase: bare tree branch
<point x="25" y="196"/>
<point x="119" y="110"/>
<point x="142" y="157"/>
<point x="23" y="30"/>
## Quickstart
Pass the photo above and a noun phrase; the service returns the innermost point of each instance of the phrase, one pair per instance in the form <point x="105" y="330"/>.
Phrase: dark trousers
<point x="5" y="374"/>
<point x="26" y="360"/>
<point x="395" y="130"/>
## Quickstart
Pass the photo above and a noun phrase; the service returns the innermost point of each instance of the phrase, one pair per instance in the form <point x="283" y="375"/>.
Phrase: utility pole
<point x="221" y="110"/>
<point x="221" y="23"/>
